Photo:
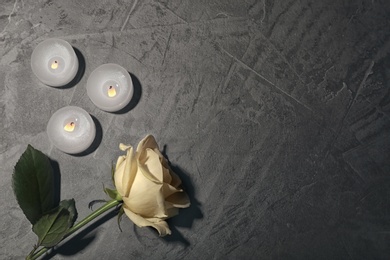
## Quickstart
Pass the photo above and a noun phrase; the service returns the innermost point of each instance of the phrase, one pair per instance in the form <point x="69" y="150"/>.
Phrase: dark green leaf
<point x="33" y="184"/>
<point x="52" y="227"/>
<point x="70" y="205"/>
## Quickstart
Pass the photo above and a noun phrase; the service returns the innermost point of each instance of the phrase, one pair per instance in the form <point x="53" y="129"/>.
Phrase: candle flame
<point x="69" y="127"/>
<point x="111" y="91"/>
<point x="54" y="65"/>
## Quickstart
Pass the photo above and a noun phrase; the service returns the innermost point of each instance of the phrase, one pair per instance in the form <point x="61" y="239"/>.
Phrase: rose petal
<point x="160" y="225"/>
<point x="147" y="209"/>
<point x="152" y="162"/>
<point x="179" y="200"/>
<point x="147" y="142"/>
<point x="124" y="147"/>
<point x="118" y="176"/>
<point x="163" y="160"/>
<point x="167" y="178"/>
<point x="176" y="182"/>
<point x="151" y="189"/>
<point x="168" y="190"/>
<point x="126" y="171"/>
<point x="147" y="174"/>
<point x="119" y="161"/>
<point x="170" y="210"/>
<point x="145" y="198"/>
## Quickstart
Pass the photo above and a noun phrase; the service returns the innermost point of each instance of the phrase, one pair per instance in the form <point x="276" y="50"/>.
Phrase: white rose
<point x="149" y="188"/>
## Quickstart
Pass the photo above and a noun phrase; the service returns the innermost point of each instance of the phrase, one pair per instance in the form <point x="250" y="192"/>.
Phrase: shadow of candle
<point x="136" y="96"/>
<point x="80" y="71"/>
<point x="96" y="142"/>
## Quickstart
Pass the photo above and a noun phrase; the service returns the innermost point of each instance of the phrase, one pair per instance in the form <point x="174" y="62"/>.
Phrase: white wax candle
<point x="110" y="87"/>
<point x="54" y="62"/>
<point x="71" y="129"/>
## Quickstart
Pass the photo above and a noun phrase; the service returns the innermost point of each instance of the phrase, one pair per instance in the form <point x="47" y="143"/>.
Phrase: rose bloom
<point x="149" y="188"/>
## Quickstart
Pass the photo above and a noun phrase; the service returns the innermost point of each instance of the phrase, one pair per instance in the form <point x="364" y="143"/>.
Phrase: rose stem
<point x="109" y="205"/>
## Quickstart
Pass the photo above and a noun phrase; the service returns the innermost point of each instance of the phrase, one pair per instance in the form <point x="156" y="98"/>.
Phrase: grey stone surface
<point x="275" y="114"/>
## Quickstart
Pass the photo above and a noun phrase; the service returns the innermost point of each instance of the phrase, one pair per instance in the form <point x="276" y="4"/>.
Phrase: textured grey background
<point x="275" y="113"/>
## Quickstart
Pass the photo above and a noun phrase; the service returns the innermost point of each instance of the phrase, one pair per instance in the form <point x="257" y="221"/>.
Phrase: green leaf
<point x="33" y="184"/>
<point x="52" y="227"/>
<point x="70" y="205"/>
<point x="113" y="194"/>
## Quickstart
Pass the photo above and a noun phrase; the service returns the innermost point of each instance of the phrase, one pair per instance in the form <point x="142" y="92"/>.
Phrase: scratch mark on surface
<point x="279" y="16"/>
<point x="197" y="166"/>
<point x="344" y="245"/>
<point x="306" y="186"/>
<point x="140" y="29"/>
<point x="264" y="13"/>
<point x="246" y="66"/>
<point x="366" y="74"/>
<point x="340" y="127"/>
<point x="146" y="54"/>
<point x="345" y="86"/>
<point x="265" y="79"/>
<point x="353" y="16"/>
<point x="116" y="48"/>
<point x="284" y="59"/>
<point x="218" y="15"/>
<point x="128" y="15"/>
<point x="166" y="7"/>
<point x="12" y="12"/>
<point x="166" y="49"/>
<point x="247" y="48"/>
<point x="72" y="95"/>
<point x="10" y="15"/>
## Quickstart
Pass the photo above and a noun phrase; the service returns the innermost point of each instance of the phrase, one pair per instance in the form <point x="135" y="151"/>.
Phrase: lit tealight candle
<point x="71" y="129"/>
<point x="54" y="62"/>
<point x="110" y="87"/>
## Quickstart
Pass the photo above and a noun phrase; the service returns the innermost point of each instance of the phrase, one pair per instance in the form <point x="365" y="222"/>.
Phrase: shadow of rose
<point x="187" y="216"/>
